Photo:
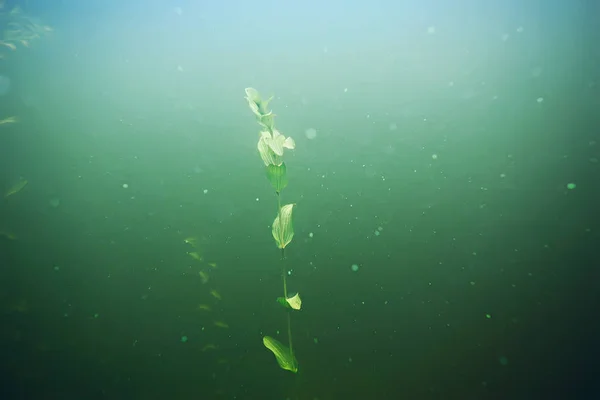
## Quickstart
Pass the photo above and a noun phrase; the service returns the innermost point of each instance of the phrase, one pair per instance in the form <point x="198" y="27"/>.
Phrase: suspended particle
<point x="310" y="133"/>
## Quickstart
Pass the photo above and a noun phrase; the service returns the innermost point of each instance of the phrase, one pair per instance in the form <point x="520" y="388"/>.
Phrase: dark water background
<point x="447" y="133"/>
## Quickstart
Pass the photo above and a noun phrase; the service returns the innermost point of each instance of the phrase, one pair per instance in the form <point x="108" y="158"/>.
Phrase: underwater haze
<point x="441" y="158"/>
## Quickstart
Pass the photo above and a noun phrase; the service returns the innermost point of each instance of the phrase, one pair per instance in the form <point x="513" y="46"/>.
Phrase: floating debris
<point x="209" y="346"/>
<point x="221" y="324"/>
<point x="16" y="188"/>
<point x="8" y="235"/>
<point x="9" y="120"/>
<point x="191" y="241"/>
<point x="195" y="256"/>
<point x="203" y="276"/>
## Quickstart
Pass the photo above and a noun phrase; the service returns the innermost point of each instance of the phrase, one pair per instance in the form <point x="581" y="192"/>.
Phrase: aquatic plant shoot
<point x="271" y="146"/>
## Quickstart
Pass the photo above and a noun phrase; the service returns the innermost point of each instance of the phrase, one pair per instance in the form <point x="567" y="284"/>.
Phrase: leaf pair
<point x="271" y="145"/>
<point x="294" y="302"/>
<point x="260" y="108"/>
<point x="271" y="142"/>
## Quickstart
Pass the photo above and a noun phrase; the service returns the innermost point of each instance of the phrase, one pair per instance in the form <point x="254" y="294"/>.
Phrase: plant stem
<point x="284" y="276"/>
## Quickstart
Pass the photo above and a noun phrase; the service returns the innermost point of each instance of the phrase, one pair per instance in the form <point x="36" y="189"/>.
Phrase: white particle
<point x="310" y="235"/>
<point x="540" y="99"/>
<point x="125" y="186"/>
<point x="431" y="30"/>
<point x="205" y="191"/>
<point x="345" y="90"/>
<point x="311" y="133"/>
<point x="434" y="156"/>
<point x="354" y="267"/>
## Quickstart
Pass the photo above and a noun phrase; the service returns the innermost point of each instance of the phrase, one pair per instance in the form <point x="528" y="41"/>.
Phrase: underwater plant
<point x="19" y="29"/>
<point x="271" y="145"/>
<point x="16" y="29"/>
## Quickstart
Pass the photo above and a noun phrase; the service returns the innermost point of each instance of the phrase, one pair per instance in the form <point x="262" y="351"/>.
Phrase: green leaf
<point x="295" y="302"/>
<point x="284" y="357"/>
<point x="277" y="176"/>
<point x="266" y="153"/>
<point x="271" y="145"/>
<point x="283" y="302"/>
<point x="267" y="121"/>
<point x="283" y="227"/>
<point x="258" y="106"/>
<point x="279" y="141"/>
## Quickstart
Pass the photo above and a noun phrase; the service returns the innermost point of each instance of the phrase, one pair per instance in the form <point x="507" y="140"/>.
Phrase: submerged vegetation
<point x="18" y="29"/>
<point x="271" y="146"/>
